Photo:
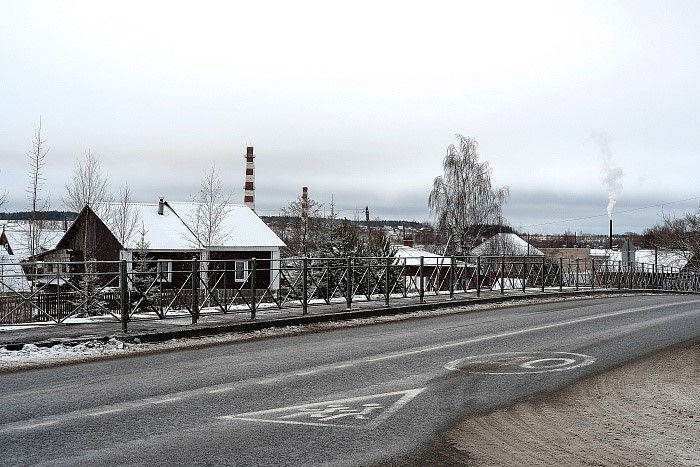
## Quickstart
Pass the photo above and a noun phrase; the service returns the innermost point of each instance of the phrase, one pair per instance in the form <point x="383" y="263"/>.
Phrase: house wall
<point x="220" y="268"/>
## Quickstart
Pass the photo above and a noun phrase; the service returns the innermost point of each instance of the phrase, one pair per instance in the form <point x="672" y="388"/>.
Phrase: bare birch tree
<point x="462" y="199"/>
<point x="212" y="206"/>
<point x="124" y="216"/>
<point x="89" y="186"/>
<point x="35" y="231"/>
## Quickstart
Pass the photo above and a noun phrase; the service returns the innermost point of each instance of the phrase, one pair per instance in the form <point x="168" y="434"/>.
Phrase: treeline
<point x="40" y="215"/>
<point x="373" y="223"/>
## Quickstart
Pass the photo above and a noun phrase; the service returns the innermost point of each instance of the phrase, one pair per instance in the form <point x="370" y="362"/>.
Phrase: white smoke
<point x="612" y="174"/>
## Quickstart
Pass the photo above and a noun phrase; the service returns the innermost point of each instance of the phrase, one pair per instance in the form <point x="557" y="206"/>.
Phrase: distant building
<point x="505" y="244"/>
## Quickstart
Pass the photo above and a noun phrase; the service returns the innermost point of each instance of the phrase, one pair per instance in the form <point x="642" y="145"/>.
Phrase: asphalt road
<point x="352" y="396"/>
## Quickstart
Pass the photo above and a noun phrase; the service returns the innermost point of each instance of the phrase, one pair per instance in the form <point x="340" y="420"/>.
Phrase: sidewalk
<point x="14" y="337"/>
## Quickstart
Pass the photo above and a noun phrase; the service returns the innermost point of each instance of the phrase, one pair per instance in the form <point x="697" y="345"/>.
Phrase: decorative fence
<point x="124" y="291"/>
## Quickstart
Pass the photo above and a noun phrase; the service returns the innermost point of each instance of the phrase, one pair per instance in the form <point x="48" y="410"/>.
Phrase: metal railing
<point x="124" y="291"/>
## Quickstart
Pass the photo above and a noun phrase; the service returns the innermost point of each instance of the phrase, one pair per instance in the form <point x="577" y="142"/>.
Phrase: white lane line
<point x="104" y="412"/>
<point x="344" y="365"/>
<point x="35" y="425"/>
<point x="166" y="401"/>
<point x="217" y="391"/>
<point x="521" y="331"/>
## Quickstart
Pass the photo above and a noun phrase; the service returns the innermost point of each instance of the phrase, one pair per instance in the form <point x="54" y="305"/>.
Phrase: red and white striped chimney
<point x="249" y="187"/>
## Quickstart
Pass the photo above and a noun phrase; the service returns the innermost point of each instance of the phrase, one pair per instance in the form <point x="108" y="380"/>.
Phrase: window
<point x="241" y="268"/>
<point x="164" y="269"/>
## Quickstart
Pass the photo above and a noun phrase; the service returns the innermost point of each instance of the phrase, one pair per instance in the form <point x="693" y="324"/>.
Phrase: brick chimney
<point x="249" y="198"/>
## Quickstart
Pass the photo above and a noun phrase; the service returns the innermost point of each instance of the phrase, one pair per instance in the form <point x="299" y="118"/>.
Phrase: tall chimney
<point x="610" y="234"/>
<point x="304" y="204"/>
<point x="249" y="198"/>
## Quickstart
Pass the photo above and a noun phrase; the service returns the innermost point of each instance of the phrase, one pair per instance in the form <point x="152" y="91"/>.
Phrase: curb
<point x="200" y="331"/>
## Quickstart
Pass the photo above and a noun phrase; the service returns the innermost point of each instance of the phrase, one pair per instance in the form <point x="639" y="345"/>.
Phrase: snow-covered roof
<point x="243" y="228"/>
<point x="666" y="258"/>
<point x="508" y="244"/>
<point x="16" y="234"/>
<point x="12" y="276"/>
<point x="413" y="256"/>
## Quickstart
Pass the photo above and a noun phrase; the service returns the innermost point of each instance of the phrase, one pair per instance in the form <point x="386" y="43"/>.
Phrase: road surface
<point x="358" y="396"/>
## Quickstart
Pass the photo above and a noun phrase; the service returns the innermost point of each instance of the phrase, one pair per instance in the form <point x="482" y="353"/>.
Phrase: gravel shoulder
<point x="646" y="413"/>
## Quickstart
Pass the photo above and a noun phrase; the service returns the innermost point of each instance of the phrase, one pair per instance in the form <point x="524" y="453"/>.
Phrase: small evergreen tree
<point x="144" y="276"/>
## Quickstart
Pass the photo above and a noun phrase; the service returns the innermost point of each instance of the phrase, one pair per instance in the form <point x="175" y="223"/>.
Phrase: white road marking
<point x="35" y="425"/>
<point x="166" y="401"/>
<point x="519" y="331"/>
<point x="354" y="412"/>
<point x="40" y="422"/>
<point x="104" y="412"/>
<point x="539" y="363"/>
<point x="520" y="363"/>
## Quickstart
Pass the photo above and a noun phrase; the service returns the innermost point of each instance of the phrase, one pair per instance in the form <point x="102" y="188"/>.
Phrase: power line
<point x="619" y="212"/>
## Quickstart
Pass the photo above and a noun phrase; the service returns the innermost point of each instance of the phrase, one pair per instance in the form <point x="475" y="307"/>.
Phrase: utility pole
<point x="305" y="215"/>
<point x="369" y="232"/>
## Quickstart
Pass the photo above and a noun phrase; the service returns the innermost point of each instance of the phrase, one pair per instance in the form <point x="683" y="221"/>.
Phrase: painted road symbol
<point x="517" y="363"/>
<point x="355" y="412"/>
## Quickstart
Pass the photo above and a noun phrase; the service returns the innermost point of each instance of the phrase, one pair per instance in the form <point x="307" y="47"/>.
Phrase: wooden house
<point x="167" y="235"/>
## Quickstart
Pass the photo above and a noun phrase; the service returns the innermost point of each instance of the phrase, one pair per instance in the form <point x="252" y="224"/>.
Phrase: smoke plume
<point x="612" y="174"/>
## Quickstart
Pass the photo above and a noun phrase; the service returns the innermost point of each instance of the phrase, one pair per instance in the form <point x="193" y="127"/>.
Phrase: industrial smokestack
<point x="249" y="197"/>
<point x="304" y="204"/>
<point x="610" y="234"/>
<point x="161" y="205"/>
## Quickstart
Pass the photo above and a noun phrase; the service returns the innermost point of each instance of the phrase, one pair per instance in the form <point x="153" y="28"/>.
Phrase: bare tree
<point x="35" y="231"/>
<point x="462" y="199"/>
<point x="679" y="235"/>
<point x="124" y="216"/>
<point x="212" y="206"/>
<point x="3" y="196"/>
<point x="301" y="228"/>
<point x="89" y="186"/>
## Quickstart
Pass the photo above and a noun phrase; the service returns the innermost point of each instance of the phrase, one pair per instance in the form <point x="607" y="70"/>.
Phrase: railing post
<point x="631" y="269"/>
<point x="619" y="275"/>
<point x="253" y="288"/>
<point x="195" y="290"/>
<point x="421" y="290"/>
<point x="578" y="271"/>
<point x="124" y="294"/>
<point x="403" y="278"/>
<point x="348" y="281"/>
<point x="542" y="273"/>
<point x="386" y="281"/>
<point x="524" y="274"/>
<point x="304" y="286"/>
<point x="478" y="276"/>
<point x="503" y="272"/>
<point x="452" y="277"/>
<point x="592" y="273"/>
<point x="561" y="274"/>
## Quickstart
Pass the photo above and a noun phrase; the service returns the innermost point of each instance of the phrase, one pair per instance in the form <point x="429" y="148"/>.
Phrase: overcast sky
<point x="360" y="100"/>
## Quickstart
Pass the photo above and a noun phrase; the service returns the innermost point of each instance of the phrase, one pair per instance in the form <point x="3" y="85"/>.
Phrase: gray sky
<point x="360" y="100"/>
